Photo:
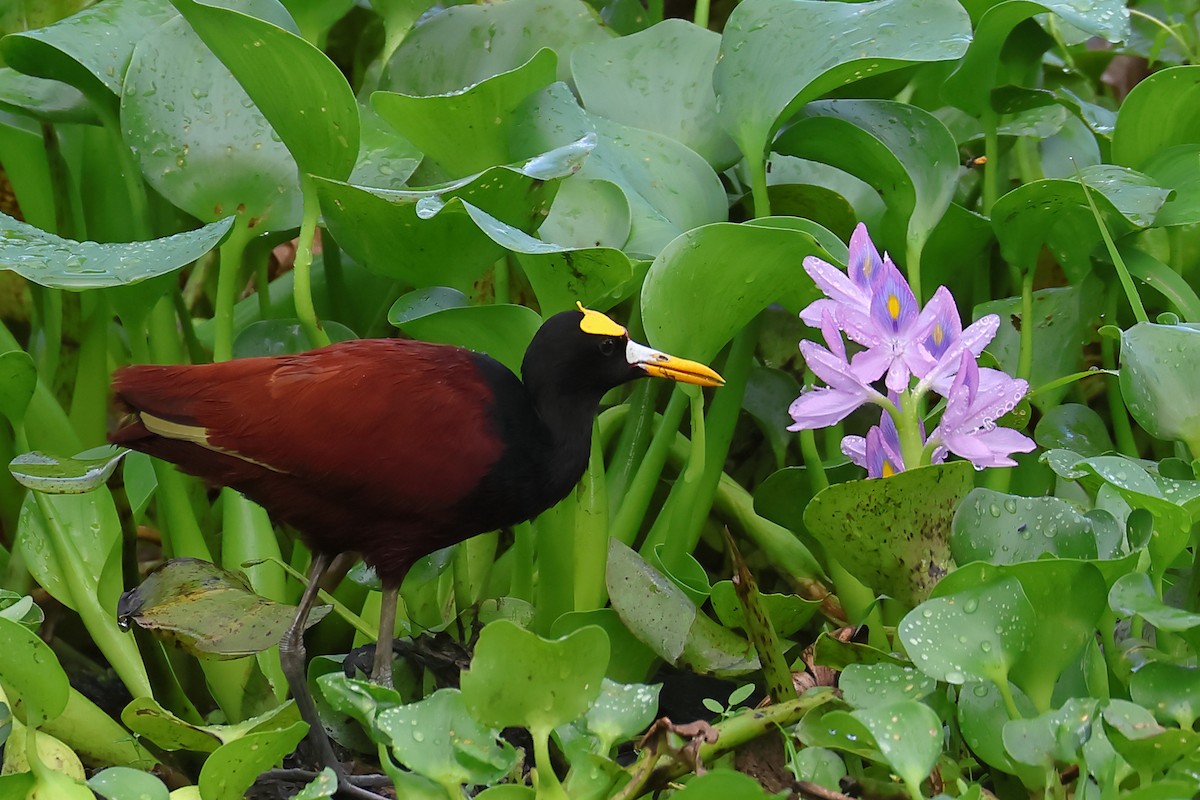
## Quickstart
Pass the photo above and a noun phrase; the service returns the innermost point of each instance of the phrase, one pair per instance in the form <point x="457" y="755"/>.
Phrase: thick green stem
<point x="991" y="167"/>
<point x="908" y="427"/>
<point x="591" y="533"/>
<point x="814" y="467"/>
<point x="912" y="266"/>
<point x="555" y="560"/>
<point x="228" y="283"/>
<point x="548" y="786"/>
<point x="700" y="15"/>
<point x="131" y="173"/>
<point x="632" y="443"/>
<point x="758" y="186"/>
<point x="89" y="399"/>
<point x="629" y="518"/>
<point x="521" y="585"/>
<point x="1025" y="360"/>
<point x="1122" y="429"/>
<point x="302" y="268"/>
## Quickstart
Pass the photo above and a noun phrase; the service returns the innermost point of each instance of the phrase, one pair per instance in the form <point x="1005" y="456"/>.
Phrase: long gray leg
<point x="381" y="670"/>
<point x="292" y="658"/>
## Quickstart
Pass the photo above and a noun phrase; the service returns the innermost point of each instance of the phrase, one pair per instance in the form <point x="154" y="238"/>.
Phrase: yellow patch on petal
<point x="598" y="324"/>
<point x="938" y="334"/>
<point x="893" y="306"/>
<point x="888" y="469"/>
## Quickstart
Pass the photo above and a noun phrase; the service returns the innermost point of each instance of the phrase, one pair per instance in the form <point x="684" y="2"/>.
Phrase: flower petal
<point x="822" y="407"/>
<point x="865" y="262"/>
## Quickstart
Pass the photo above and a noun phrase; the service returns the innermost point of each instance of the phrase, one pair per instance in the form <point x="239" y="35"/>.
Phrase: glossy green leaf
<point x="905" y="153"/>
<point x="831" y="651"/>
<point x="29" y="670"/>
<point x="908" y="734"/>
<point x="1053" y="737"/>
<point x="776" y="55"/>
<point x="519" y="678"/>
<point x="1062" y="319"/>
<point x="722" y="784"/>
<point x="21" y="608"/>
<point x="1133" y="594"/>
<point x="424" y="237"/>
<point x="279" y="337"/>
<point x="657" y="611"/>
<point x="820" y="766"/>
<point x="208" y="611"/>
<point x="879" y="685"/>
<point x="669" y="188"/>
<point x="81" y="473"/>
<point x="1160" y="379"/>
<point x="1003" y="529"/>
<point x="711" y="649"/>
<point x="233" y="767"/>
<point x="598" y="277"/>
<point x="501" y="331"/>
<point x="60" y="263"/>
<point x="659" y="79"/>
<point x="838" y="730"/>
<point x="788" y="612"/>
<point x="124" y="783"/>
<point x="1143" y="742"/>
<point x="621" y="711"/>
<point x="385" y="160"/>
<point x="1161" y="277"/>
<point x="302" y="94"/>
<point x="630" y="660"/>
<point x="784" y="495"/>
<point x="438" y="738"/>
<point x="320" y="787"/>
<point x="1177" y="168"/>
<point x="981" y="717"/>
<point x="89" y="50"/>
<point x="893" y="534"/>
<point x="18" y="379"/>
<point x="360" y="700"/>
<point x="972" y="635"/>
<point x="145" y="717"/>
<point x="463" y="131"/>
<point x="971" y="84"/>
<point x="1054" y="213"/>
<point x="1171" y="691"/>
<point x="209" y="170"/>
<point x="468" y="44"/>
<point x="43" y="99"/>
<point x="693" y="303"/>
<point x="1074" y="427"/>
<point x="1161" y="112"/>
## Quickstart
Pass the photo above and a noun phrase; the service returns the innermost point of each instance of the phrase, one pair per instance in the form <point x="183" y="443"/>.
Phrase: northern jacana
<point x="390" y="448"/>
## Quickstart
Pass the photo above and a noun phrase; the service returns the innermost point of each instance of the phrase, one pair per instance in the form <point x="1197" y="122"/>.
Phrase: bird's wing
<point x="402" y="422"/>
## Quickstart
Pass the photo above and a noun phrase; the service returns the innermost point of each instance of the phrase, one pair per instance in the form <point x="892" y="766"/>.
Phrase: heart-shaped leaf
<point x="1171" y="691"/>
<point x="1160" y="379"/>
<point x="232" y="769"/>
<point x="1003" y="529"/>
<point x="29" y="670"/>
<point x="909" y="735"/>
<point x="1161" y="112"/>
<point x="1074" y="427"/>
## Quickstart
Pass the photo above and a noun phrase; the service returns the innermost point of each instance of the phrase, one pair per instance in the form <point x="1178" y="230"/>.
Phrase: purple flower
<point x="879" y="452"/>
<point x="974" y="402"/>
<point x="823" y="406"/>
<point x="971" y="341"/>
<point x="848" y="298"/>
<point x="895" y="333"/>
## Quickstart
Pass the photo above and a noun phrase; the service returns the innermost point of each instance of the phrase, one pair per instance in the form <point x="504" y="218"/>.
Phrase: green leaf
<point x="29" y="670"/>
<point x="1004" y="529"/>
<point x="125" y="783"/>
<point x="208" y="611"/>
<point x="693" y="303"/>
<point x="464" y="131"/>
<point x="874" y="685"/>
<point x="467" y="44"/>
<point x="1160" y="380"/>
<point x="1161" y="112"/>
<point x="1061" y="320"/>
<point x="42" y="99"/>
<point x="621" y="711"/>
<point x="442" y="315"/>
<point x="711" y="649"/>
<point x="905" y="153"/>
<point x="892" y="534"/>
<point x="1143" y="742"/>
<point x="1073" y="427"/>
<point x="89" y="50"/>
<point x="908" y="734"/>
<point x="788" y="612"/>
<point x="722" y="784"/>
<point x="145" y="717"/>
<point x="1177" y="168"/>
<point x="1054" y="737"/>
<point x="976" y="634"/>
<point x="360" y="700"/>
<point x="839" y="730"/>
<point x="98" y="553"/>
<point x="1161" y="277"/>
<point x="659" y="79"/>
<point x="278" y="337"/>
<point x="630" y="660"/>
<point x="209" y="170"/>
<point x="1054" y="213"/>
<point x="518" y="678"/>
<point x="970" y="86"/>
<point x="18" y="380"/>
<point x="776" y="55"/>
<point x="784" y="495"/>
<point x="59" y="263"/>
<point x="598" y="277"/>
<point x="233" y="767"/>
<point x="296" y="87"/>
<point x="1171" y="691"/>
<point x="78" y="474"/>
<point x="657" y="611"/>
<point x="1134" y="594"/>
<point x="425" y="237"/>
<point x="981" y="718"/>
<point x="438" y="738"/>
<point x="669" y="188"/>
<point x="321" y="787"/>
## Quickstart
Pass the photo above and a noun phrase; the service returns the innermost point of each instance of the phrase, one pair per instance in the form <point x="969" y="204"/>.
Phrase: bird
<point x="390" y="448"/>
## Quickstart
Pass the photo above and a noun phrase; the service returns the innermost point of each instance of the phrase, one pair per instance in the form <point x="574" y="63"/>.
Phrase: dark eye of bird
<point x="608" y="346"/>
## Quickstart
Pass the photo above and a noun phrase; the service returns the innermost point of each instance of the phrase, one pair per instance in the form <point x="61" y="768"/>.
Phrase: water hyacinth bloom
<point x="914" y="350"/>
<point x="977" y="398"/>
